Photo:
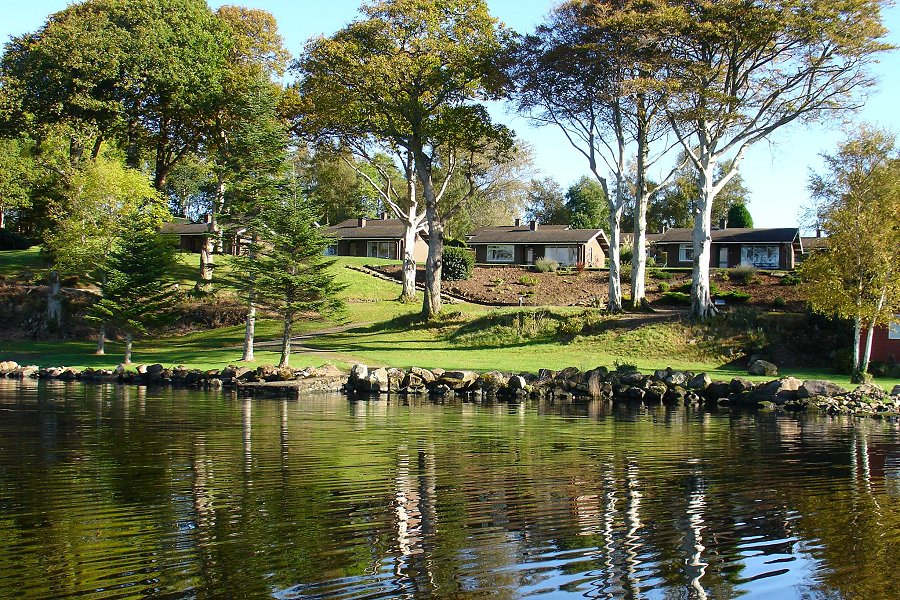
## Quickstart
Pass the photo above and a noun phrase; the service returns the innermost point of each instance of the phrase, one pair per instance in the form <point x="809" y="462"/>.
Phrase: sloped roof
<point x="777" y="235"/>
<point x="544" y="234"/>
<point x="814" y="243"/>
<point x="373" y="229"/>
<point x="180" y="227"/>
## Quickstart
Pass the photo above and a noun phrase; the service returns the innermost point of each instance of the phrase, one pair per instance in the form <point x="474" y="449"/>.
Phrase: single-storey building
<point x="776" y="248"/>
<point x="374" y="238"/>
<point x="885" y="342"/>
<point x="523" y="244"/>
<point x="193" y="236"/>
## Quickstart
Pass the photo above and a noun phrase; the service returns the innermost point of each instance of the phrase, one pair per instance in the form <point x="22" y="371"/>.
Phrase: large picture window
<point x="685" y="253"/>
<point x="566" y="256"/>
<point x="382" y="250"/>
<point x="764" y="257"/>
<point x="894" y="331"/>
<point x="501" y="254"/>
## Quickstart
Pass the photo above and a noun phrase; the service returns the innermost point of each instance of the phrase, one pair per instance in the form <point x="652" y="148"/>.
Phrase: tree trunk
<point x="249" y="331"/>
<point x="867" y="352"/>
<point x="857" y="333"/>
<point x="702" y="306"/>
<point x="54" y="300"/>
<point x="128" y="340"/>
<point x="101" y="340"/>
<point x="409" y="263"/>
<point x="614" y="303"/>
<point x="433" y="266"/>
<point x="286" y="342"/>
<point x="639" y="251"/>
<point x="2" y="218"/>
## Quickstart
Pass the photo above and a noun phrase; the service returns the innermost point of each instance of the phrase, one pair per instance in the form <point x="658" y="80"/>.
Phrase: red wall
<point x="883" y="349"/>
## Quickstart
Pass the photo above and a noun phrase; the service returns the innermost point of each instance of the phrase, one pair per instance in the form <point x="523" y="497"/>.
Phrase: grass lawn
<point x="378" y="330"/>
<point x="21" y="264"/>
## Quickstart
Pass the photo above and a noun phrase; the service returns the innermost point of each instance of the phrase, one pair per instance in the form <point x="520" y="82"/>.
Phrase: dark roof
<point x="544" y="234"/>
<point x="814" y="243"/>
<point x="776" y="235"/>
<point x="373" y="229"/>
<point x="180" y="227"/>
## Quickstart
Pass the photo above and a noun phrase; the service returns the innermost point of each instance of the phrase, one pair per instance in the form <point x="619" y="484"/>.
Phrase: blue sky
<point x="776" y="170"/>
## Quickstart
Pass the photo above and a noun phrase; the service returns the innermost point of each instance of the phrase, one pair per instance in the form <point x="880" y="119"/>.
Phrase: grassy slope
<point x="382" y="333"/>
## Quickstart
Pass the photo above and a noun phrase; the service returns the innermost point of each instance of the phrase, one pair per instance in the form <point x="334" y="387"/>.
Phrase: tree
<point x="16" y="171"/>
<point x="739" y="216"/>
<point x="586" y="202"/>
<point x="138" y="292"/>
<point x="287" y="263"/>
<point x="858" y="276"/>
<point x="408" y="76"/>
<point x="545" y="202"/>
<point x="737" y="72"/>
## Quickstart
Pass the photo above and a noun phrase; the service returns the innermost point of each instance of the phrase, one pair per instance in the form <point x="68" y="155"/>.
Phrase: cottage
<point x="193" y="236"/>
<point x="777" y="248"/>
<point x="885" y="342"/>
<point x="523" y="244"/>
<point x="374" y="238"/>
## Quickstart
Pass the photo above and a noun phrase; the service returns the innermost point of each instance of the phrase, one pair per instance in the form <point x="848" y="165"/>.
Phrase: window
<point x="685" y="252"/>
<point x="894" y="330"/>
<point x="764" y="257"/>
<point x="331" y="250"/>
<point x="382" y="250"/>
<point x="501" y="254"/>
<point x="566" y="256"/>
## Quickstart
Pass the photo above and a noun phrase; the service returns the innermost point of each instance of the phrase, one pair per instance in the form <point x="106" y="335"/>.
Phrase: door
<point x="723" y="257"/>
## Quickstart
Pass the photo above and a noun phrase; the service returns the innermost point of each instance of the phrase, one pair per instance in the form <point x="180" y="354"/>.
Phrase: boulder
<point x="655" y="392"/>
<point x="819" y="387"/>
<point x="141" y="369"/>
<point x="778" y="391"/>
<point x="675" y="395"/>
<point x="870" y="390"/>
<point x="570" y="374"/>
<point x="895" y="391"/>
<point x="395" y="379"/>
<point x="359" y="372"/>
<point x="635" y="393"/>
<point x="424" y="374"/>
<point x="762" y="367"/>
<point x="699" y="382"/>
<point x="633" y="378"/>
<point x="458" y="380"/>
<point x="517" y="382"/>
<point x="378" y="381"/>
<point x="717" y="389"/>
<point x="155" y="372"/>
<point x="676" y="378"/>
<point x="491" y="381"/>
<point x="8" y="366"/>
<point x="328" y="370"/>
<point x="739" y="385"/>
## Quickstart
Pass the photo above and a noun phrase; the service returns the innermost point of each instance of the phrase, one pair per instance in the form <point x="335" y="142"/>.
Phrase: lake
<point x="127" y="492"/>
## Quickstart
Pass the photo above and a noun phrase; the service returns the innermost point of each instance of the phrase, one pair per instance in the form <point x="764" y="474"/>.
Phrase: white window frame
<point x="571" y="251"/>
<point x="751" y="254"/>
<point x="894" y="330"/>
<point x="373" y="249"/>
<point x="685" y="252"/>
<point x="492" y="249"/>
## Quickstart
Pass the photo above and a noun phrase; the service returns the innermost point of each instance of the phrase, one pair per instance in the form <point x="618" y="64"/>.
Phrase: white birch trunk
<point x="249" y="331"/>
<point x="615" y="271"/>
<point x="433" y="266"/>
<point x="867" y="352"/>
<point x="409" y="262"/>
<point x="101" y="340"/>
<point x="128" y="342"/>
<point x="701" y="301"/>
<point x="2" y="218"/>
<point x="857" y="333"/>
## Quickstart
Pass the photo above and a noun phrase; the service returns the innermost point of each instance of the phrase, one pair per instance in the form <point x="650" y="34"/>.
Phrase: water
<point x="118" y="492"/>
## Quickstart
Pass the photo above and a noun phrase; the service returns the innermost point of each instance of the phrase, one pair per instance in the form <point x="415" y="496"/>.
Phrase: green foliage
<point x="680" y="298"/>
<point x="739" y="216"/>
<point x="529" y="280"/>
<point x="545" y="265"/>
<point x="545" y="202"/>
<point x="743" y="274"/>
<point x="457" y="263"/>
<point x="663" y="287"/>
<point x="791" y="280"/>
<point x="659" y="274"/>
<point x="779" y="302"/>
<point x="137" y="291"/>
<point x="733" y="296"/>
<point x="586" y="202"/>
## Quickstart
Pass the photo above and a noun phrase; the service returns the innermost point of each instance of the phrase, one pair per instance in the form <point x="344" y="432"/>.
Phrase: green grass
<point x="21" y="264"/>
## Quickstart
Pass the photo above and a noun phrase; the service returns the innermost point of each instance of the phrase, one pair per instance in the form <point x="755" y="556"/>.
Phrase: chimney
<point x="384" y="215"/>
<point x="818" y="232"/>
<point x="533" y="225"/>
<point x="361" y="222"/>
<point x="518" y="222"/>
<point x="208" y="218"/>
<point x="723" y="223"/>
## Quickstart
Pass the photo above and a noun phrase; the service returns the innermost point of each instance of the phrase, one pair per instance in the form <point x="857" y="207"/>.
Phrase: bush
<point x="744" y="274"/>
<point x="663" y="287"/>
<point x="625" y="270"/>
<point x="10" y="240"/>
<point x="651" y="262"/>
<point x="734" y="296"/>
<point x="791" y="280"/>
<point x="529" y="280"/>
<point x="661" y="275"/>
<point x="545" y="265"/>
<point x="779" y="302"/>
<point x="625" y="254"/>
<point x="676" y="298"/>
<point x="457" y="263"/>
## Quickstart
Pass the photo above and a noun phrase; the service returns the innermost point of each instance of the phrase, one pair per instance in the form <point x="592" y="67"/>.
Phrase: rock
<point x="570" y="374"/>
<point x="778" y="391"/>
<point x="739" y="385"/>
<point x="8" y="366"/>
<point x="141" y="369"/>
<point x="359" y="372"/>
<point x="378" y="381"/>
<point x="766" y="405"/>
<point x="423" y="374"/>
<point x="395" y="379"/>
<point x="895" y="391"/>
<point x="633" y="378"/>
<point x="699" y="382"/>
<point x="676" y="378"/>
<point x="491" y="381"/>
<point x="762" y="367"/>
<point x="635" y="393"/>
<point x="717" y="389"/>
<point x="215" y="383"/>
<point x="870" y="390"/>
<point x="437" y="373"/>
<point x="660" y="374"/>
<point x="675" y="395"/>
<point x="517" y="382"/>
<point x="329" y="370"/>
<point x="819" y="387"/>
<point x="655" y="392"/>
<point x="154" y="372"/>
<point x="458" y="380"/>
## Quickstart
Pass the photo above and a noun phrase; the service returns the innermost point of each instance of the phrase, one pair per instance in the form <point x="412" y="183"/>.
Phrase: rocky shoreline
<point x="666" y="386"/>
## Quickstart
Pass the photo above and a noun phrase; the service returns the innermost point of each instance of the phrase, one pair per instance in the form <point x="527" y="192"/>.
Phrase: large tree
<point x="545" y="202"/>
<point x="738" y="71"/>
<point x="408" y="75"/>
<point x="858" y="206"/>
<point x="587" y="205"/>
